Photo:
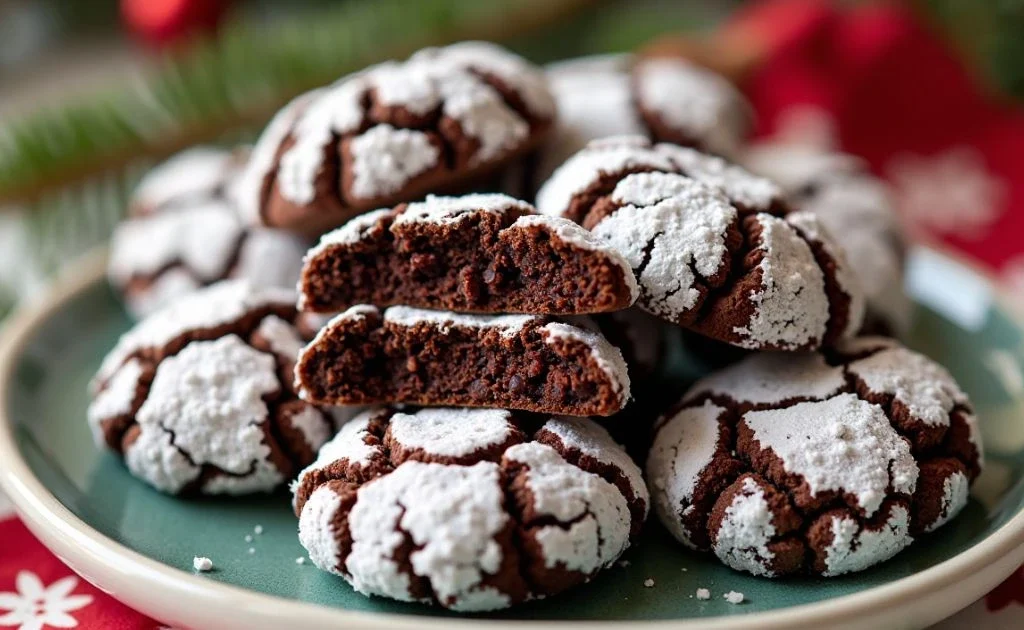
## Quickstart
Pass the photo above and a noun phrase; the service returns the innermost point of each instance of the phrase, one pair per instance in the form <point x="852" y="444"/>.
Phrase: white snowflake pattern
<point x="35" y="606"/>
<point x="947" y="193"/>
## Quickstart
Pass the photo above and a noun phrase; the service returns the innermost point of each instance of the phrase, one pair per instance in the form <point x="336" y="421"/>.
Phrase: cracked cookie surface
<point x="857" y="208"/>
<point x="469" y="509"/>
<point x="440" y="120"/>
<point x="198" y="398"/>
<point x="480" y="253"/>
<point x="417" y="356"/>
<point x="667" y="100"/>
<point x="187" y="235"/>
<point x="714" y="248"/>
<point x="815" y="463"/>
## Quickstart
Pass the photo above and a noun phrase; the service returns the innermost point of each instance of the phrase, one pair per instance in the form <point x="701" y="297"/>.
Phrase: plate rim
<point x="111" y="566"/>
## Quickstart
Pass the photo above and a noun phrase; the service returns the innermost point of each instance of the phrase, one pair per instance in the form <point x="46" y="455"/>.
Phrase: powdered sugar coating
<point x="593" y="440"/>
<point x="924" y="387"/>
<point x="597" y="511"/>
<point x="701" y="104"/>
<point x="772" y="378"/>
<point x="450" y="513"/>
<point x="193" y="174"/>
<point x="282" y="337"/>
<point x="741" y="541"/>
<point x="594" y="101"/>
<point x="316" y="532"/>
<point x="196" y="246"/>
<point x="956" y="489"/>
<point x="452" y="210"/>
<point x="791" y="308"/>
<point x="385" y="158"/>
<point x="669" y="228"/>
<point x="604" y="156"/>
<point x="508" y="325"/>
<point x="207" y="402"/>
<point x="351" y="232"/>
<point x="751" y="192"/>
<point x="116" y="398"/>
<point x="855" y="549"/>
<point x="450" y="525"/>
<point x="217" y="305"/>
<point x="202" y="238"/>
<point x="353" y="445"/>
<point x="247" y="189"/>
<point x="451" y="432"/>
<point x="842" y="444"/>
<point x="814" y="231"/>
<point x="683" y="447"/>
<point x="607" y="357"/>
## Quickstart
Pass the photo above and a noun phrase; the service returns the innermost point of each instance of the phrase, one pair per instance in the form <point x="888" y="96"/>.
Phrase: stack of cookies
<point x="438" y="389"/>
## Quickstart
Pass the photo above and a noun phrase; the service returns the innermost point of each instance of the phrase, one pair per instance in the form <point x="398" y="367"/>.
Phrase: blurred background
<point x="93" y="93"/>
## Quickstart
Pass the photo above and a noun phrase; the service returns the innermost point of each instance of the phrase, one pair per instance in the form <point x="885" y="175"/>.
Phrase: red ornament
<point x="164" y="22"/>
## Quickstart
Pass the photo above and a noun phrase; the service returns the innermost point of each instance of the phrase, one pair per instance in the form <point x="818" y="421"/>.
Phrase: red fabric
<point x="25" y="563"/>
<point x="897" y="95"/>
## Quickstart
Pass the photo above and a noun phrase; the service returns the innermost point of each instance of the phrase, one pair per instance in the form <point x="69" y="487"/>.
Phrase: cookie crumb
<point x="733" y="597"/>
<point x="624" y="563"/>
<point x="684" y="569"/>
<point x="248" y="538"/>
<point x="201" y="563"/>
<point x="258" y="529"/>
<point x="300" y="560"/>
<point x="252" y="550"/>
<point x="703" y="593"/>
<point x="649" y="583"/>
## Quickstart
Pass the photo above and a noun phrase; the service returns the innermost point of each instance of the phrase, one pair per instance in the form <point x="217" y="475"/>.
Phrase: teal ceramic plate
<point x="137" y="544"/>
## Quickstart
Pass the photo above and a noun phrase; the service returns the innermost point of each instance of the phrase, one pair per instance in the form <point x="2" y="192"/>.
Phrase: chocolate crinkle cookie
<point x="469" y="509"/>
<point x="484" y="253"/>
<point x="194" y="175"/>
<point x="198" y="397"/>
<point x="713" y="247"/>
<point x="423" y="357"/>
<point x="666" y="100"/>
<point x="182" y="242"/>
<point x="441" y="120"/>
<point x="856" y="207"/>
<point x="815" y="463"/>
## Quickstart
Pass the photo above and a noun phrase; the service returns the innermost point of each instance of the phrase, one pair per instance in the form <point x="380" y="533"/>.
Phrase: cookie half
<point x="198" y="397"/>
<point x="714" y="248"/>
<point x="416" y="356"/>
<point x="477" y="253"/>
<point x="849" y="201"/>
<point x="393" y="132"/>
<point x="815" y="463"/>
<point x="469" y="509"/>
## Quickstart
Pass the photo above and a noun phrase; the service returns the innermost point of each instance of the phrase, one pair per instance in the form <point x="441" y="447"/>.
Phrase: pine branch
<point x="237" y="82"/>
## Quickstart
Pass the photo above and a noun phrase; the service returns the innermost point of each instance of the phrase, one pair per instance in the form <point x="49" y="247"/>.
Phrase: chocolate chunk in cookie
<point x="421" y="357"/>
<point x="440" y="121"/>
<point x="477" y="253"/>
<point x="198" y="397"/>
<point x="815" y="463"/>
<point x="713" y="247"/>
<point x="469" y="509"/>
<point x="857" y="208"/>
<point x="177" y="243"/>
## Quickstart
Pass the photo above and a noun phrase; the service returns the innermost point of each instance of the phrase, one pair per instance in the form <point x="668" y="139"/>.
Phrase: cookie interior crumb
<point x="201" y="563"/>
<point x="733" y="597"/>
<point x="703" y="593"/>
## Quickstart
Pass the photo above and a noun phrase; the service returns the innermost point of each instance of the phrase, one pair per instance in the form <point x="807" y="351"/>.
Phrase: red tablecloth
<point x="872" y="81"/>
